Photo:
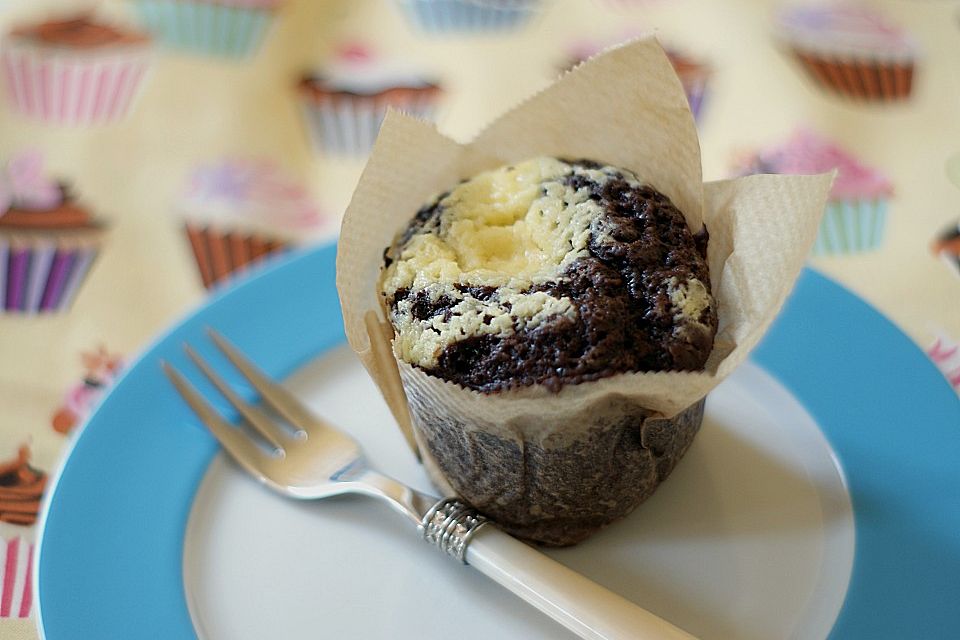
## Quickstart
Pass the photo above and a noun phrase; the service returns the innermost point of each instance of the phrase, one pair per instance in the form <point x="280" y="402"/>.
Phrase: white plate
<point x="751" y="537"/>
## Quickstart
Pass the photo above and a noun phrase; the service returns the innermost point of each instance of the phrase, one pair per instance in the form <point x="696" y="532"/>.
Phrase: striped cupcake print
<point x="206" y="27"/>
<point x="222" y="256"/>
<point x="71" y="90"/>
<point x="859" y="79"/>
<point x="350" y="127"/>
<point x="851" y="226"/>
<point x="16" y="569"/>
<point x="440" y="16"/>
<point x="41" y="278"/>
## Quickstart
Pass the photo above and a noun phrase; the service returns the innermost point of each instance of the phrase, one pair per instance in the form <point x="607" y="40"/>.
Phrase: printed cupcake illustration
<point x="466" y="16"/>
<point x="48" y="241"/>
<point x="344" y="105"/>
<point x="945" y="354"/>
<point x="74" y="71"/>
<point x="21" y="489"/>
<point x="230" y="28"/>
<point x="237" y="212"/>
<point x="850" y="50"/>
<point x="694" y="74"/>
<point x="856" y="213"/>
<point x="100" y="369"/>
<point x="947" y="247"/>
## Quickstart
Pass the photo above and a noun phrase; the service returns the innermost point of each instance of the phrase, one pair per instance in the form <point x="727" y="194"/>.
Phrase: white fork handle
<point x="579" y="604"/>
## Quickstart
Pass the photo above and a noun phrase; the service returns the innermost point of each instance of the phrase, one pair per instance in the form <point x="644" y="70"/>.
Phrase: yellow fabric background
<point x="195" y="109"/>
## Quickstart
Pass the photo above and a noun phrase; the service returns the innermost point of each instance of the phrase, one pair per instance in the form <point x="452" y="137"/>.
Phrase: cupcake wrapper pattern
<point x="206" y="27"/>
<point x="443" y="16"/>
<point x="222" y="255"/>
<point x="16" y="568"/>
<point x="860" y="79"/>
<point x="72" y="89"/>
<point x="350" y="127"/>
<point x="851" y="226"/>
<point x="41" y="277"/>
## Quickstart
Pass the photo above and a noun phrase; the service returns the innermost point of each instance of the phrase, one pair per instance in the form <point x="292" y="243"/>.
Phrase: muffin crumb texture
<point x="549" y="272"/>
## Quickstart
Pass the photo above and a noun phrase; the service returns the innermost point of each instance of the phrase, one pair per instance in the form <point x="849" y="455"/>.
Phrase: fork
<point x="315" y="460"/>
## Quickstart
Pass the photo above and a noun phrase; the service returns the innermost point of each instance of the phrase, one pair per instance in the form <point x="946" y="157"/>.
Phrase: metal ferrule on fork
<point x="450" y="525"/>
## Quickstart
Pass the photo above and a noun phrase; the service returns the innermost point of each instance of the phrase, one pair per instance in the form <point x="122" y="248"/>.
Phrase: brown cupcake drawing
<point x="237" y="212"/>
<point x="850" y="50"/>
<point x="947" y="247"/>
<point x="21" y="488"/>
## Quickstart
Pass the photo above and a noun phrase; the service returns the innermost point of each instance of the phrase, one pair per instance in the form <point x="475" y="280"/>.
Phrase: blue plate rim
<point x="875" y="604"/>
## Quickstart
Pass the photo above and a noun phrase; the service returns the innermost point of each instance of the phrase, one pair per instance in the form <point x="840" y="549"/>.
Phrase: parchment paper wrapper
<point x="554" y="467"/>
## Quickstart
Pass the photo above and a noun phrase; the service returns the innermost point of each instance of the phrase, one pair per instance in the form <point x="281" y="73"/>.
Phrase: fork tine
<point x="242" y="448"/>
<point x="282" y="401"/>
<point x="263" y="425"/>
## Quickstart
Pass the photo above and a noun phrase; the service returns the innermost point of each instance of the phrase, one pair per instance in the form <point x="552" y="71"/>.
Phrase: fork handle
<point x="579" y="604"/>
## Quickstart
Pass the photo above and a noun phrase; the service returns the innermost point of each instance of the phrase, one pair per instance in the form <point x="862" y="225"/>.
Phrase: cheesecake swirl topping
<point x="548" y="271"/>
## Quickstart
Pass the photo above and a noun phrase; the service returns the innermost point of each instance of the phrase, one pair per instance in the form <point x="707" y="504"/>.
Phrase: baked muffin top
<point x="549" y="272"/>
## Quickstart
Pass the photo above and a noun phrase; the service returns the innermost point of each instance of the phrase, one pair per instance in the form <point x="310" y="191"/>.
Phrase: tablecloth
<point x="195" y="108"/>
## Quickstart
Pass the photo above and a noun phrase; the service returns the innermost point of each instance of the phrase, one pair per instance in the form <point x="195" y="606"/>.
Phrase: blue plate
<point x="111" y="533"/>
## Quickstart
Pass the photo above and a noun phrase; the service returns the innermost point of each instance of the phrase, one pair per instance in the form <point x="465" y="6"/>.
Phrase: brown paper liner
<point x="221" y="255"/>
<point x="556" y="466"/>
<point x="867" y="80"/>
<point x="555" y="491"/>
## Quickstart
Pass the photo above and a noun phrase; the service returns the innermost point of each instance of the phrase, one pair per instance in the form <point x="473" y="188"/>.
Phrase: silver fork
<point x="315" y="460"/>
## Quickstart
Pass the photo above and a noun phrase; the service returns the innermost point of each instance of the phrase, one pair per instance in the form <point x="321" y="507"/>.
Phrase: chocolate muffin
<point x="512" y="297"/>
<point x="549" y="272"/>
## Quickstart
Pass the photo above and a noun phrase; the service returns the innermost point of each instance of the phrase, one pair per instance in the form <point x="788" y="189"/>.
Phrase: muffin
<point x="238" y="212"/>
<point x="856" y="214"/>
<point x="555" y="450"/>
<point x="850" y="50"/>
<point x="48" y="241"/>
<point x="344" y="105"/>
<point x="533" y="277"/>
<point x="229" y="28"/>
<point x="467" y="16"/>
<point x="74" y="71"/>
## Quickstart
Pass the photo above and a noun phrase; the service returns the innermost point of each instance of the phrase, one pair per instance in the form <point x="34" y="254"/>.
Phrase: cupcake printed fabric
<point x="48" y="241"/>
<point x="73" y="71"/>
<point x="226" y="28"/>
<point x="856" y="215"/>
<point x="154" y="153"/>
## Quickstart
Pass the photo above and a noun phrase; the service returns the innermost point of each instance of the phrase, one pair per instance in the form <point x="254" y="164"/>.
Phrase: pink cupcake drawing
<point x="344" y="104"/>
<point x="856" y="213"/>
<point x="238" y="212"/>
<point x="850" y="50"/>
<point x="48" y="241"/>
<point x="74" y="71"/>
